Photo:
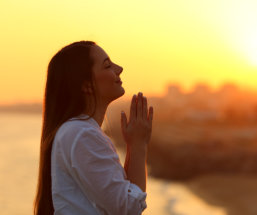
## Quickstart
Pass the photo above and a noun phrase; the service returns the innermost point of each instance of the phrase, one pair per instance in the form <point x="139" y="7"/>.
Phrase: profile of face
<point x="107" y="76"/>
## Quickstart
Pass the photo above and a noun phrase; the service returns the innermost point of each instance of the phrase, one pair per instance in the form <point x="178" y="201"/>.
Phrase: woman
<point x="79" y="171"/>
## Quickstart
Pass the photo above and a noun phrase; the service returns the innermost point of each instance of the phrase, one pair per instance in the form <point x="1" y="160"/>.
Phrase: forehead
<point x="98" y="54"/>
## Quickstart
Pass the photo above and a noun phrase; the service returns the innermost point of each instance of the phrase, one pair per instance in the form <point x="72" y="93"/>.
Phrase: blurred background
<point x="195" y="60"/>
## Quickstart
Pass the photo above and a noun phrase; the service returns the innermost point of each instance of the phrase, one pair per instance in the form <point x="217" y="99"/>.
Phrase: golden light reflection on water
<point x="174" y="198"/>
<point x="190" y="204"/>
<point x="19" y="139"/>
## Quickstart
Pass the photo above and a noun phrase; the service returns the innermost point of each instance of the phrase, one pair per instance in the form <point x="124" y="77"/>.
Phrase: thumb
<point x="123" y="121"/>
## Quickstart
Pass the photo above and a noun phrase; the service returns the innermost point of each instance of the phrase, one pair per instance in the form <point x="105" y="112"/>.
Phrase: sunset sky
<point x="156" y="42"/>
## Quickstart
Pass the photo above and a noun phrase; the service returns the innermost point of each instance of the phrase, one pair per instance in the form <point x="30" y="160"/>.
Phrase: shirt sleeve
<point x="97" y="169"/>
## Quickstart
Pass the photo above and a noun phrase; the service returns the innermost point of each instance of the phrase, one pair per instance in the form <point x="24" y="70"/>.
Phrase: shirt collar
<point x="91" y="120"/>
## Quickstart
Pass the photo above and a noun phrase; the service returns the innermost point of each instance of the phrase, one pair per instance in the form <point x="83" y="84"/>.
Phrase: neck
<point x="99" y="114"/>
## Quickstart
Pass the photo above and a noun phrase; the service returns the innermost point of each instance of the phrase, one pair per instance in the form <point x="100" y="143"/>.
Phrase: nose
<point x="119" y="70"/>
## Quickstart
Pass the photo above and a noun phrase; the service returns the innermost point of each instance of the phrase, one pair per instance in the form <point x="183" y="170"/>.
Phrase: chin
<point x="123" y="91"/>
<point x="119" y="94"/>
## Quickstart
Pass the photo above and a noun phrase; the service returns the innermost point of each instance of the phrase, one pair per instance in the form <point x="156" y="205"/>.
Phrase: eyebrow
<point x="106" y="59"/>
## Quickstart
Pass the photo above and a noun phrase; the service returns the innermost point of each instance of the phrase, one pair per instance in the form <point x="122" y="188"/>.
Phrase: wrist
<point x="137" y="144"/>
<point x="137" y="149"/>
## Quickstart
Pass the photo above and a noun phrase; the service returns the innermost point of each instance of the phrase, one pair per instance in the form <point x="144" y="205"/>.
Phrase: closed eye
<point x="109" y="64"/>
<point x="107" y="60"/>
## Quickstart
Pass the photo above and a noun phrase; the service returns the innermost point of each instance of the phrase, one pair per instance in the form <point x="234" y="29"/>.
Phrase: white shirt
<point x="87" y="176"/>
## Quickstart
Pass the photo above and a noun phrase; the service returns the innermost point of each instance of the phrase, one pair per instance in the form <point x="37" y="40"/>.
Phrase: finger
<point x="123" y="121"/>
<point x="150" y="117"/>
<point x="133" y="108"/>
<point x="139" y="106"/>
<point x="144" y="107"/>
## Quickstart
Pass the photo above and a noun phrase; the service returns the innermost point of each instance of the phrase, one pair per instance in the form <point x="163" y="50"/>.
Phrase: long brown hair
<point x="68" y="70"/>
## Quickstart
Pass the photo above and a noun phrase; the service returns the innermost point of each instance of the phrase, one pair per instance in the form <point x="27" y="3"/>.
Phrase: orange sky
<point x="156" y="42"/>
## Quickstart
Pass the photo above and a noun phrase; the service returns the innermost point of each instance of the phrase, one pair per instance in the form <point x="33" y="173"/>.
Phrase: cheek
<point x="105" y="81"/>
<point x="106" y="77"/>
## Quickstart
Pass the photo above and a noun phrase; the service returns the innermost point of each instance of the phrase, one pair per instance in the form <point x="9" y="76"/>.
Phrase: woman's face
<point x="107" y="76"/>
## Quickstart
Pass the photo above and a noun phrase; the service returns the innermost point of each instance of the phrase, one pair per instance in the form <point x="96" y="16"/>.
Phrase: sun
<point x="250" y="45"/>
<point x="249" y="48"/>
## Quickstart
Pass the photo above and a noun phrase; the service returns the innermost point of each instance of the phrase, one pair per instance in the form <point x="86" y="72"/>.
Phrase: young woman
<point x="79" y="171"/>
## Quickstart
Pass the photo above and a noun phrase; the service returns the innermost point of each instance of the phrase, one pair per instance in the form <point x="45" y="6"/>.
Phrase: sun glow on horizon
<point x="186" y="42"/>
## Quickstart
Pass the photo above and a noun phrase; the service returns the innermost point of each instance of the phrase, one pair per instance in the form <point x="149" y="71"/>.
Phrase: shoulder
<point x="80" y="129"/>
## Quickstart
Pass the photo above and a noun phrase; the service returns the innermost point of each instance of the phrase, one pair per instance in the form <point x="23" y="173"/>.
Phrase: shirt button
<point x="129" y="190"/>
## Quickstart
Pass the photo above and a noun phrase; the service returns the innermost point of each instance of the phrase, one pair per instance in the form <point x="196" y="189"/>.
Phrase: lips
<point x="119" y="82"/>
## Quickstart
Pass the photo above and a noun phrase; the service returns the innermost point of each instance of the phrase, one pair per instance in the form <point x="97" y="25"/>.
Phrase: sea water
<point x="19" y="158"/>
